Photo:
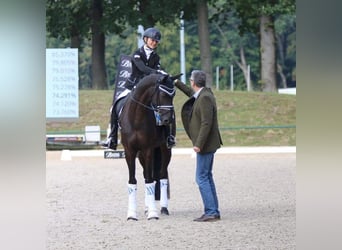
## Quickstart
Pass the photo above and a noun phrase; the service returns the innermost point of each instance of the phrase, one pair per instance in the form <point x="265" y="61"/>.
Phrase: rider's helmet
<point x="152" y="33"/>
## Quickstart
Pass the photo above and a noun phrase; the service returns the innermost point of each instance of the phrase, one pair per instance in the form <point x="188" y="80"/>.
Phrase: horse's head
<point x="156" y="92"/>
<point x="163" y="101"/>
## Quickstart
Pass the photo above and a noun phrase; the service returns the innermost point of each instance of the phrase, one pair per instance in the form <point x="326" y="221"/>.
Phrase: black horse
<point x="147" y="113"/>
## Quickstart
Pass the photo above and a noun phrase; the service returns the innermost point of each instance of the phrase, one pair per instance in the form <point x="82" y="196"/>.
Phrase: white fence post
<point x="231" y="78"/>
<point x="248" y="78"/>
<point x="217" y="77"/>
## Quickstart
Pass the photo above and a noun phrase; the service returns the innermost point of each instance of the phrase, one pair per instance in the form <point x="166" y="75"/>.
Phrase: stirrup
<point x="170" y="141"/>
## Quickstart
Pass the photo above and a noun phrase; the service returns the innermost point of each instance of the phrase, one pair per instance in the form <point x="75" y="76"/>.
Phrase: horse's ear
<point x="168" y="82"/>
<point x="162" y="79"/>
<point x="176" y="76"/>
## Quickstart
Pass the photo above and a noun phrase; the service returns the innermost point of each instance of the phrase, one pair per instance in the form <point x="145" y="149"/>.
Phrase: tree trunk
<point x="75" y="42"/>
<point x="203" y="33"/>
<point x="244" y="67"/>
<point x="267" y="54"/>
<point x="243" y="64"/>
<point x="281" y="60"/>
<point x="282" y="76"/>
<point x="98" y="68"/>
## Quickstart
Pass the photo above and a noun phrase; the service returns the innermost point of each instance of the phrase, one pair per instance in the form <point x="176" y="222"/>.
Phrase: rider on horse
<point x="145" y="61"/>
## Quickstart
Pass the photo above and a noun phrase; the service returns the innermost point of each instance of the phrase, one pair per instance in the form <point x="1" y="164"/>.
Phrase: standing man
<point x="199" y="117"/>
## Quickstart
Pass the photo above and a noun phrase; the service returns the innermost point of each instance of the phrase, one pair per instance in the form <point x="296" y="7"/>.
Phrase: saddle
<point x="119" y="104"/>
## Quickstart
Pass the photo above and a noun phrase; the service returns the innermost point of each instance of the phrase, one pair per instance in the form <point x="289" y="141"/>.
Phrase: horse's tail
<point x="157" y="190"/>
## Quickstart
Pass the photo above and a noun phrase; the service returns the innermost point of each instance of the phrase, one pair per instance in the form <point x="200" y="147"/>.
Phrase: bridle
<point x="156" y="107"/>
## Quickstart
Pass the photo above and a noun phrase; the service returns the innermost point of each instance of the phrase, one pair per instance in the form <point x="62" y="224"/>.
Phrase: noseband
<point x="168" y="91"/>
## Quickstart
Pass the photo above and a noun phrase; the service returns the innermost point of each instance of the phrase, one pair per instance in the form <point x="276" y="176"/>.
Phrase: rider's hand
<point x="162" y="72"/>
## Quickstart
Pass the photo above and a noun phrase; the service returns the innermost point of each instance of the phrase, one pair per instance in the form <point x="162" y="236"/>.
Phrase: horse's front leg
<point x="150" y="202"/>
<point x="132" y="186"/>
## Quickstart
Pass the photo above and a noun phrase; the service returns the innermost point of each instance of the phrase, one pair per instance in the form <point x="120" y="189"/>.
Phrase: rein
<point x="141" y="104"/>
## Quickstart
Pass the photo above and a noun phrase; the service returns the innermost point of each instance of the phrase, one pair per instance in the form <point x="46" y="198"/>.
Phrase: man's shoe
<point x="208" y="218"/>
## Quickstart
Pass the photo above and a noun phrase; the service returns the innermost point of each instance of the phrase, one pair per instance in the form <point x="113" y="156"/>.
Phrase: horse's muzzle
<point x="166" y="122"/>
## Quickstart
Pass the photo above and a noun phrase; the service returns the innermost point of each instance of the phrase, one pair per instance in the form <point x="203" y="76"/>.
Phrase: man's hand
<point x="197" y="149"/>
<point x="177" y="82"/>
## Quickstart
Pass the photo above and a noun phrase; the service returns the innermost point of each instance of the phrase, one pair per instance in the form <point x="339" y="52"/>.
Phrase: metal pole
<point x="140" y="35"/>
<point x="182" y="48"/>
<point x="231" y="78"/>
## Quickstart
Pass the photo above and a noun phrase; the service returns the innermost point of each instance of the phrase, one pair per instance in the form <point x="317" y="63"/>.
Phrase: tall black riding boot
<point x="112" y="140"/>
<point x="113" y="137"/>
<point x="170" y="139"/>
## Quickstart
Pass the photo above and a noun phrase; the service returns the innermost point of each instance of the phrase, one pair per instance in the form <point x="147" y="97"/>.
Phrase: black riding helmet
<point x="153" y="33"/>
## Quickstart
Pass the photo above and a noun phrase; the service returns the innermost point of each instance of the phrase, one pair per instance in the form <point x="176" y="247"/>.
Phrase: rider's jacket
<point x="145" y="61"/>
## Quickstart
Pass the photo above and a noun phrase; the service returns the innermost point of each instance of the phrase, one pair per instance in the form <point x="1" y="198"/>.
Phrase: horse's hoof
<point x="153" y="218"/>
<point x="153" y="215"/>
<point x="132" y="218"/>
<point x="132" y="215"/>
<point x="164" y="211"/>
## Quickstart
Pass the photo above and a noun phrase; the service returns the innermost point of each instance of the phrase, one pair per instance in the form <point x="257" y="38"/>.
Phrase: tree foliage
<point x="233" y="35"/>
<point x="258" y="17"/>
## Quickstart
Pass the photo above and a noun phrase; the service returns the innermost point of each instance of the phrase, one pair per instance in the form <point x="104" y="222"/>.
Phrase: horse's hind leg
<point x="164" y="180"/>
<point x="161" y="188"/>
<point x="150" y="202"/>
<point x="164" y="202"/>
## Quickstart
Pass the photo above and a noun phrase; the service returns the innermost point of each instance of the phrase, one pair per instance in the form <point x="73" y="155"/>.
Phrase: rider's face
<point x="151" y="43"/>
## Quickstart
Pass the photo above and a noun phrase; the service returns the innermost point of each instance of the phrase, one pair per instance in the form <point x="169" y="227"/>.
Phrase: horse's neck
<point x="143" y="95"/>
<point x="140" y="107"/>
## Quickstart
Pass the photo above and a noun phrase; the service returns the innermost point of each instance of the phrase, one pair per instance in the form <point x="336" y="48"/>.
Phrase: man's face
<point x="192" y="83"/>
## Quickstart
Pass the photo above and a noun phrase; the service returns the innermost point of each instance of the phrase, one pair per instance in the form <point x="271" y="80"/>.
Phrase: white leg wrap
<point x="146" y="201"/>
<point x="132" y="201"/>
<point x="150" y="201"/>
<point x="163" y="193"/>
